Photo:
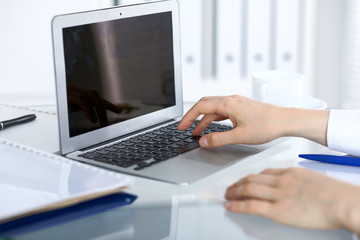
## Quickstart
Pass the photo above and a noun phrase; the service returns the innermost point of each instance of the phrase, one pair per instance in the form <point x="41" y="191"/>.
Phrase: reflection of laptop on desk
<point x="129" y="56"/>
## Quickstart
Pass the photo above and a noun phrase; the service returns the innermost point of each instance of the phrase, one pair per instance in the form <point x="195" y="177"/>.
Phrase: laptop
<point x="119" y="95"/>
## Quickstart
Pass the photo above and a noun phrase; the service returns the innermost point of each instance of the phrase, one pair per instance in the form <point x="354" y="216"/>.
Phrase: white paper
<point x="31" y="179"/>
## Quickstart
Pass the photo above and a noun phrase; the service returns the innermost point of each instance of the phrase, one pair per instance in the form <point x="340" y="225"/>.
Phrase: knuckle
<point x="291" y="170"/>
<point x="286" y="178"/>
<point x="290" y="174"/>
<point x="203" y="99"/>
<point x="277" y="181"/>
<point x="250" y="178"/>
<point x="228" y="102"/>
<point x="234" y="97"/>
<point x="296" y="170"/>
<point x="248" y="189"/>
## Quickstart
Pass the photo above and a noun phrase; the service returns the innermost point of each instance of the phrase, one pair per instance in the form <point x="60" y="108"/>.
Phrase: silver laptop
<point x="119" y="94"/>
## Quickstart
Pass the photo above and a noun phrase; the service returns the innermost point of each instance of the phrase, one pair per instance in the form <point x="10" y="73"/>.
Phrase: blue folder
<point x="67" y="214"/>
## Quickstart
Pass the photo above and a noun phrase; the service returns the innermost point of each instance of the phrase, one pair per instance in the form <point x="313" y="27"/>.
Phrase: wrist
<point x="305" y="123"/>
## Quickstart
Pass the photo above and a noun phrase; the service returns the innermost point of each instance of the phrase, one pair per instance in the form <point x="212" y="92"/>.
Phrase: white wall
<point x="350" y="78"/>
<point x="329" y="51"/>
<point x="26" y="63"/>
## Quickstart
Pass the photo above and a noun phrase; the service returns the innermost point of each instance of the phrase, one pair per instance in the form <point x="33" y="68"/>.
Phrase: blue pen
<point x="333" y="159"/>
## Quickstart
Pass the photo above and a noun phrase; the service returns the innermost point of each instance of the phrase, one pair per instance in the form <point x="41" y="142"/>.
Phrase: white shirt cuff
<point x="343" y="132"/>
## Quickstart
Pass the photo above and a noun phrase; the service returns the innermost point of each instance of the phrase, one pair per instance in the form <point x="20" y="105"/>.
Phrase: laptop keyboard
<point x="152" y="147"/>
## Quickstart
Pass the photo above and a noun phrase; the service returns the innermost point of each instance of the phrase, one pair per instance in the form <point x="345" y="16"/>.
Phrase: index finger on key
<point x="200" y="108"/>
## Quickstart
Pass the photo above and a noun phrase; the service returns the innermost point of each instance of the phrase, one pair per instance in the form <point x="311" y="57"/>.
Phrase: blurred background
<point x="223" y="43"/>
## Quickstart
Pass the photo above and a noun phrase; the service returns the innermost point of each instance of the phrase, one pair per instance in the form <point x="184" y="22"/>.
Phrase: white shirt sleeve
<point x="343" y="133"/>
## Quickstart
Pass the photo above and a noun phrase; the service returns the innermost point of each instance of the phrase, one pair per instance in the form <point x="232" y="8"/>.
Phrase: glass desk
<point x="178" y="218"/>
<point x="167" y="211"/>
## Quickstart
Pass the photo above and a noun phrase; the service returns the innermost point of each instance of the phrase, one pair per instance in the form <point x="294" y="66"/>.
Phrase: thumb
<point x="218" y="139"/>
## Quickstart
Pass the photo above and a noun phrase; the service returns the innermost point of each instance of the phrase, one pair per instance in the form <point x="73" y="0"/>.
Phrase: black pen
<point x="16" y="121"/>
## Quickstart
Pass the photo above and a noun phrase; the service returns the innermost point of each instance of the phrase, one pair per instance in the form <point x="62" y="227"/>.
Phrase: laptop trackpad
<point x="220" y="156"/>
<point x="198" y="163"/>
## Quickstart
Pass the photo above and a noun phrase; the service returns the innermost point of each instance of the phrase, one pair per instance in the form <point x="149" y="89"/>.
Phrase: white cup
<point x="278" y="87"/>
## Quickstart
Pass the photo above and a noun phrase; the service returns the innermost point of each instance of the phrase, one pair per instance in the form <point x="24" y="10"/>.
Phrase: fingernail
<point x="227" y="205"/>
<point x="204" y="142"/>
<point x="227" y="194"/>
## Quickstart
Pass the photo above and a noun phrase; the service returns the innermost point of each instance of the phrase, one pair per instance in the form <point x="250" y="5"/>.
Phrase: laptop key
<point x="104" y="160"/>
<point x="90" y="155"/>
<point x="223" y="127"/>
<point x="189" y="134"/>
<point x="182" y="136"/>
<point x="213" y="125"/>
<point x="151" y="148"/>
<point x="119" y="146"/>
<point x="159" y="152"/>
<point x="143" y="137"/>
<point x="159" y="145"/>
<point x="134" y="148"/>
<point x="165" y="130"/>
<point x="143" y="151"/>
<point x="157" y="139"/>
<point x="151" y="135"/>
<point x="187" y="148"/>
<point x="161" y="158"/>
<point x="129" y="163"/>
<point x="190" y="140"/>
<point x="167" y="142"/>
<point x="142" y="145"/>
<point x="126" y="143"/>
<point x="102" y="152"/>
<point x="174" y="139"/>
<point x="182" y="143"/>
<point x="170" y="154"/>
<point x="143" y="157"/>
<point x="111" y="149"/>
<point x="158" y="132"/>
<point x="174" y="146"/>
<point x="126" y="150"/>
<point x="118" y="159"/>
<point x="135" y="140"/>
<point x="143" y="164"/>
<point x="118" y="154"/>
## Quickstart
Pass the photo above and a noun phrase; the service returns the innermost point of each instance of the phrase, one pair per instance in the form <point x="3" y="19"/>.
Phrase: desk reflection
<point x="208" y="220"/>
<point x="130" y="223"/>
<point x="181" y="218"/>
<point x="348" y="174"/>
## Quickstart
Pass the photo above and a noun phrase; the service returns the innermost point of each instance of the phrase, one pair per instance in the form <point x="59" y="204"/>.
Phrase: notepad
<point x="33" y="181"/>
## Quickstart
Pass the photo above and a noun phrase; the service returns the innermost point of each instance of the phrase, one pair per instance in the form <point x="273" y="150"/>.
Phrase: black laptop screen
<point x="118" y="70"/>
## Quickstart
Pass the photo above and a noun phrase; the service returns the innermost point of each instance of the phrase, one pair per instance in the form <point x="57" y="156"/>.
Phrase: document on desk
<point x="33" y="181"/>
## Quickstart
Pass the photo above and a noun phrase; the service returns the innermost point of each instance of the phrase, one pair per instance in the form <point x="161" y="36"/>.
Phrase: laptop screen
<point x="118" y="70"/>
